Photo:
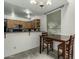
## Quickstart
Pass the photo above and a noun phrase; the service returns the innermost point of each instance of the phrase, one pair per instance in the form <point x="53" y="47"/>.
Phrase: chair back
<point x="71" y="42"/>
<point x="44" y="33"/>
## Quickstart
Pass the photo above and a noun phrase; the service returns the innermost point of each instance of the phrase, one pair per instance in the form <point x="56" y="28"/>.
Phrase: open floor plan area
<point x="39" y="29"/>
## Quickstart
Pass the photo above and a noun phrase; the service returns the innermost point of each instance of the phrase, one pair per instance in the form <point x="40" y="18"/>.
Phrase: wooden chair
<point x="69" y="48"/>
<point x="46" y="43"/>
<point x="44" y="33"/>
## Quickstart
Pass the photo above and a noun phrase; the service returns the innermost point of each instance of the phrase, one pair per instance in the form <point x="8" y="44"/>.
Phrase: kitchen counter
<point x="16" y="42"/>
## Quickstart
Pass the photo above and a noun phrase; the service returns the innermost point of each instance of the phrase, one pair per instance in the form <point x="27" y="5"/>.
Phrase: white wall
<point x="19" y="42"/>
<point x="15" y="18"/>
<point x="68" y="18"/>
<point x="43" y="23"/>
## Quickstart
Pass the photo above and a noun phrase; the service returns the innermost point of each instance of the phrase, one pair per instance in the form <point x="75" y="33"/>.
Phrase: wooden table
<point x="57" y="38"/>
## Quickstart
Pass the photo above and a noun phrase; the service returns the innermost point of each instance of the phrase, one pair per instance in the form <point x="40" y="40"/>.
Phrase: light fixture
<point x="41" y="3"/>
<point x="28" y="16"/>
<point x="28" y="12"/>
<point x="12" y="13"/>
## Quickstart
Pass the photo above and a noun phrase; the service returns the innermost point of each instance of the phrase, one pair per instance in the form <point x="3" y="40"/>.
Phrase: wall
<point x="19" y="42"/>
<point x="68" y="18"/>
<point x="15" y="17"/>
<point x="43" y="23"/>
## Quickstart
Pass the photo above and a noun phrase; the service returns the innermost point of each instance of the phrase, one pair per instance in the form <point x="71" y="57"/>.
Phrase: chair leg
<point x="51" y="46"/>
<point x="43" y="45"/>
<point x="68" y="54"/>
<point x="72" y="52"/>
<point x="47" y="49"/>
<point x="58" y="52"/>
<point x="40" y="45"/>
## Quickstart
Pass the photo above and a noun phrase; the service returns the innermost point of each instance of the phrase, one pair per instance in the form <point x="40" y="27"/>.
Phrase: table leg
<point x="64" y="57"/>
<point x="47" y="49"/>
<point x="72" y="52"/>
<point x="40" y="44"/>
<point x="43" y="45"/>
<point x="51" y="46"/>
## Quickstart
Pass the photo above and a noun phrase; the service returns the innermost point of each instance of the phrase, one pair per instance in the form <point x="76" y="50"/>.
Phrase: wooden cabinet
<point x="37" y="23"/>
<point x="12" y="24"/>
<point x="28" y="25"/>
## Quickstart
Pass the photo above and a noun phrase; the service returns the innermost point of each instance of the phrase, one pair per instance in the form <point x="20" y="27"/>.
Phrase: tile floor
<point x="33" y="52"/>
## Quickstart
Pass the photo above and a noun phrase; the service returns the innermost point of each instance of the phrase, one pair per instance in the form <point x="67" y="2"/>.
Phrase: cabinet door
<point x="10" y="24"/>
<point x="37" y="23"/>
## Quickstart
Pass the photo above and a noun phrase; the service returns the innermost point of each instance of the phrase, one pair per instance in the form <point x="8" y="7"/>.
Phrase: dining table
<point x="57" y="38"/>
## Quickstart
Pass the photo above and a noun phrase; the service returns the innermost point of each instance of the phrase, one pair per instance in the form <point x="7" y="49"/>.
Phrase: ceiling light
<point x="33" y="2"/>
<point x="12" y="13"/>
<point x="28" y="16"/>
<point x="27" y="11"/>
<point x="49" y="2"/>
<point x="41" y="3"/>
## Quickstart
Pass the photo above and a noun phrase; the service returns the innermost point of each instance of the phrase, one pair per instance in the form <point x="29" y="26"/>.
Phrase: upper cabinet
<point x="22" y="26"/>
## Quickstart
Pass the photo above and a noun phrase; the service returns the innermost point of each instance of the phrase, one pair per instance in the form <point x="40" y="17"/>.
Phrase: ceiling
<point x="20" y="5"/>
